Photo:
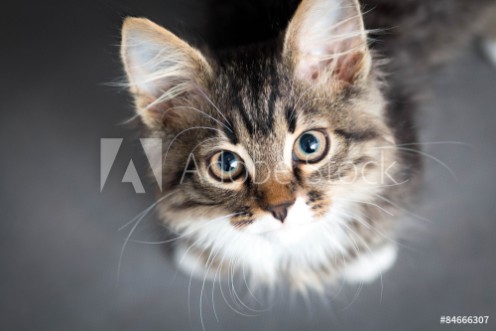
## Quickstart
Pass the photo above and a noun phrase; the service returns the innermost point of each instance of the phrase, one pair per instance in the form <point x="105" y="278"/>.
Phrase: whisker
<point x="223" y="294"/>
<point x="191" y="280"/>
<point x="138" y="221"/>
<point x="208" y="264"/>
<point x="213" y="105"/>
<point x="403" y="209"/>
<point x="358" y="236"/>
<point x="204" y="113"/>
<point x="129" y="120"/>
<point x="201" y="143"/>
<point x="367" y="203"/>
<point x="143" y="212"/>
<point x="183" y="131"/>
<point x="253" y="310"/>
<point x="382" y="288"/>
<point x="185" y="234"/>
<point x="355" y="297"/>
<point x="247" y="286"/>
<point x="428" y="143"/>
<point x="427" y="155"/>
<point x="299" y="99"/>
<point x="395" y="184"/>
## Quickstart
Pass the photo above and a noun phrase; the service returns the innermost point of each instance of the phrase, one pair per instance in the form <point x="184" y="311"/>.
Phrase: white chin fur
<point x="489" y="48"/>
<point x="368" y="267"/>
<point x="267" y="247"/>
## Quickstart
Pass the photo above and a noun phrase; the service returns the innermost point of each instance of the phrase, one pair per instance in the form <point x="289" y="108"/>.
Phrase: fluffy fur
<point x="256" y="100"/>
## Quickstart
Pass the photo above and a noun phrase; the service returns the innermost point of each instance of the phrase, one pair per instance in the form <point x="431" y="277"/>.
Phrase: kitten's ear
<point x="160" y="67"/>
<point x="326" y="42"/>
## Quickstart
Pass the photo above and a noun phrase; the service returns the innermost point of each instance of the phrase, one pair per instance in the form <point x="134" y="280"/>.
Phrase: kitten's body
<point x="288" y="219"/>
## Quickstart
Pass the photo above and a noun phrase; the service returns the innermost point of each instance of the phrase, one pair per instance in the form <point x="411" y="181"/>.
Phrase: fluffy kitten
<point x="281" y="156"/>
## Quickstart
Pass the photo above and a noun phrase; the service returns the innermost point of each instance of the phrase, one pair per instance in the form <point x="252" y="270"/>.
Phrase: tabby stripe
<point x="357" y="135"/>
<point x="291" y="119"/>
<point x="230" y="133"/>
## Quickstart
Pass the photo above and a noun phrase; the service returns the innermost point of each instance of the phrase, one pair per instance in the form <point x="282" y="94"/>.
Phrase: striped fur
<point x="256" y="100"/>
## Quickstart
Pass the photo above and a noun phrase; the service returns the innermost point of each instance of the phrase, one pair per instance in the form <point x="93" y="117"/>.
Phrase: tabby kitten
<point x="280" y="158"/>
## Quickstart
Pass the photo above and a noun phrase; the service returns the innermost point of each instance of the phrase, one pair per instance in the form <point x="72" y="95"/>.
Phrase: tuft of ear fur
<point x="326" y="42"/>
<point x="160" y="67"/>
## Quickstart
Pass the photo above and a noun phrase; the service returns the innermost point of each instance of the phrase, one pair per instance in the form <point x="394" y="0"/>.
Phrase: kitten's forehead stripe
<point x="230" y="132"/>
<point x="249" y="83"/>
<point x="271" y="105"/>
<point x="291" y="118"/>
<point x="236" y="101"/>
<point x="357" y="136"/>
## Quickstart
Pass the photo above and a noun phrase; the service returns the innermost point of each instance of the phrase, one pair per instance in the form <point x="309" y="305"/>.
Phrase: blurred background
<point x="60" y="242"/>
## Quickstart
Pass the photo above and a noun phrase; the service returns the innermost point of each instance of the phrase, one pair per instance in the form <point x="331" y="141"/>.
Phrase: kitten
<point x="281" y="156"/>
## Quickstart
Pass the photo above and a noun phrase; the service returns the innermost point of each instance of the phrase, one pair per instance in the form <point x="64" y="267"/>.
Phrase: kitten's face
<point x="269" y="140"/>
<point x="272" y="152"/>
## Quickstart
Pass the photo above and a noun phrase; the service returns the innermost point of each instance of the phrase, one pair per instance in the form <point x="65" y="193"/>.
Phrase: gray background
<point x="59" y="238"/>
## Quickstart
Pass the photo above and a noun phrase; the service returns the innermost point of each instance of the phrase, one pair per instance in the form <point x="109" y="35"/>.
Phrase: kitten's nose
<point x="280" y="211"/>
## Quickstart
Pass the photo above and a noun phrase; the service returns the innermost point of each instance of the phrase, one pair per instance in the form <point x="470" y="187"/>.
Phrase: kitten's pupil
<point x="228" y="162"/>
<point x="309" y="144"/>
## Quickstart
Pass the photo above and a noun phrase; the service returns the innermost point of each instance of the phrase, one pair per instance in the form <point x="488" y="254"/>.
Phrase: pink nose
<point x="280" y="211"/>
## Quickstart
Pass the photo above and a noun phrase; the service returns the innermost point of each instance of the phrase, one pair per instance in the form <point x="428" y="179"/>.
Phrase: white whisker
<point x="213" y="105"/>
<point x="367" y="203"/>
<point x="202" y="112"/>
<point x="427" y="155"/>
<point x="183" y="131"/>
<point x="138" y="221"/>
<point x="185" y="234"/>
<point x="403" y="209"/>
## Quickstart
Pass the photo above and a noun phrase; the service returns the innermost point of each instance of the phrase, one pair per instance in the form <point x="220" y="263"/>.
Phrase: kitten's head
<point x="268" y="139"/>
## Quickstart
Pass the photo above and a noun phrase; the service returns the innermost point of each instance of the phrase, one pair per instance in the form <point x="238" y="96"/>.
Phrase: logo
<point x="109" y="148"/>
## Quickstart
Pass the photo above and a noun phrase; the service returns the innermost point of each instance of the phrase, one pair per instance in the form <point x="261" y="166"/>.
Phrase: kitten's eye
<point x="311" y="147"/>
<point x="225" y="166"/>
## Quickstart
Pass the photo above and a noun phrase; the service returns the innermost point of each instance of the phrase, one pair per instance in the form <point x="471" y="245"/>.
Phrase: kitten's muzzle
<point x="276" y="198"/>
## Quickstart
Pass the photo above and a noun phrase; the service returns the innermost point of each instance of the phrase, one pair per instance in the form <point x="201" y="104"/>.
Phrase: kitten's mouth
<point x="299" y="217"/>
